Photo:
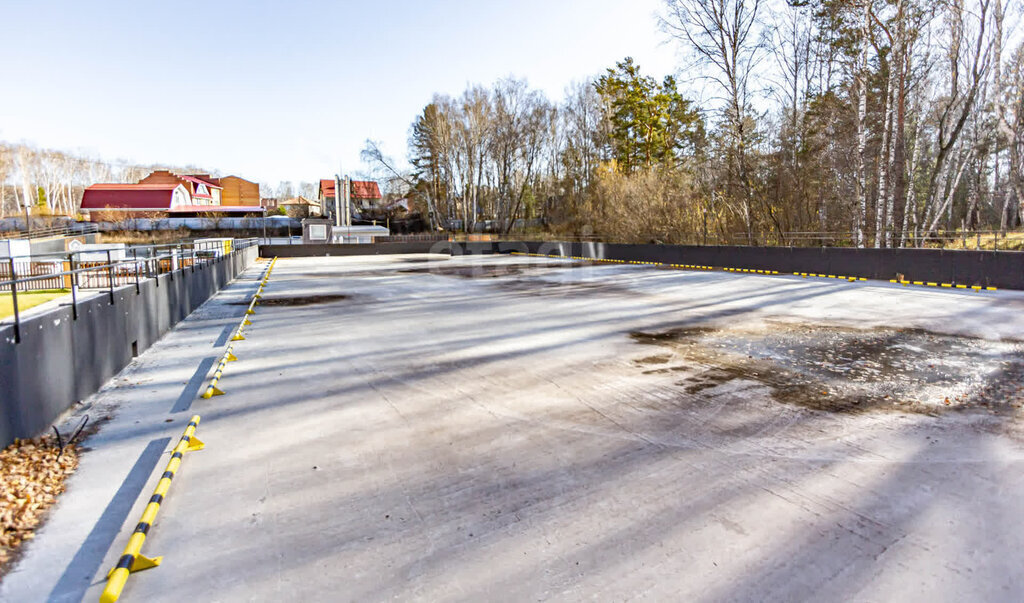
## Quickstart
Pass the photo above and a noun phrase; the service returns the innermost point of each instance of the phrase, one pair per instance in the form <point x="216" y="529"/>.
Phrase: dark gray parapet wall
<point x="317" y="250"/>
<point x="60" y="360"/>
<point x="1001" y="269"/>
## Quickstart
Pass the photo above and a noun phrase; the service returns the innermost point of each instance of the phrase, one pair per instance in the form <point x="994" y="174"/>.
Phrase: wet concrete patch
<point x="547" y="287"/>
<point x="659" y="359"/>
<point x="494" y="270"/>
<point x="299" y="300"/>
<point x="848" y="370"/>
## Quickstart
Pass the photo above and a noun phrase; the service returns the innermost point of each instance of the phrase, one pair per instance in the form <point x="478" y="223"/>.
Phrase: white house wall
<point x="180" y="197"/>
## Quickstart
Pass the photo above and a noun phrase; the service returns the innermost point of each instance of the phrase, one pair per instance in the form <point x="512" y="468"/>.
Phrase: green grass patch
<point x="28" y="299"/>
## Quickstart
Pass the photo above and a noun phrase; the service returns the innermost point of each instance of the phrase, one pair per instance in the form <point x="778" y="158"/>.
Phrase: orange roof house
<point x="361" y="189"/>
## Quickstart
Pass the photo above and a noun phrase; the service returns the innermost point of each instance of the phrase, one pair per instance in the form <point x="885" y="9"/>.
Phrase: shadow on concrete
<point x="77" y="577"/>
<point x="191" y="391"/>
<point x="222" y="339"/>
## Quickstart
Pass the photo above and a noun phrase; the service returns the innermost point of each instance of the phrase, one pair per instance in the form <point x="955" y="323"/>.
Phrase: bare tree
<point x="373" y="155"/>
<point x="724" y="36"/>
<point x="969" y="56"/>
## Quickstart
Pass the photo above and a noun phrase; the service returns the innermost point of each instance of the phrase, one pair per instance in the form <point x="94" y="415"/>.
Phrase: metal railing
<point x="425" y="237"/>
<point x="971" y="240"/>
<point x="75" y="272"/>
<point x="66" y="229"/>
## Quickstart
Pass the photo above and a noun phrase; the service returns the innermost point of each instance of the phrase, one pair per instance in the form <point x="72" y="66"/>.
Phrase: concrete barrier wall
<point x="61" y="360"/>
<point x="1002" y="269"/>
<point x="303" y="251"/>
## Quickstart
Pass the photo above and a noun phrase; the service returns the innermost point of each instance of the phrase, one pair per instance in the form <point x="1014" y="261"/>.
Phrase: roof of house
<point x="239" y="178"/>
<point x="129" y="196"/>
<point x="210" y="209"/>
<point x="196" y="180"/>
<point x="207" y="178"/>
<point x="361" y="189"/>
<point x="300" y="200"/>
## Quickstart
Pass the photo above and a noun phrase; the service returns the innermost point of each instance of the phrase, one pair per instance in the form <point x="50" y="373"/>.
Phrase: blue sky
<point x="286" y="90"/>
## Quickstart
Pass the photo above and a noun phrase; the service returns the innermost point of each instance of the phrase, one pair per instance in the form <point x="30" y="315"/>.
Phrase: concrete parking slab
<point x="434" y="428"/>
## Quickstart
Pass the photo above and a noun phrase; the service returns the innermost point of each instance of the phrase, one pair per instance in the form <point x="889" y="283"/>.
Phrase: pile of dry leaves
<point x="32" y="474"/>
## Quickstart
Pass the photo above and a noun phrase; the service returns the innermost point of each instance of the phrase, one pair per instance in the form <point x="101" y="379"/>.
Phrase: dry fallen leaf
<point x="31" y="478"/>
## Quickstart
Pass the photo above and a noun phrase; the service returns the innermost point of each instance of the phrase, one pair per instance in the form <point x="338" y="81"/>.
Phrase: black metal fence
<point x="91" y="270"/>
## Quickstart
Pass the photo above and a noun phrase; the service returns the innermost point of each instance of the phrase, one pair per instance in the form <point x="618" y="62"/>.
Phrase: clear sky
<point x="286" y="90"/>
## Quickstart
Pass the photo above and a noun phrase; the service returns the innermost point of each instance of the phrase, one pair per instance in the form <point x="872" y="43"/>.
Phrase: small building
<point x="300" y="207"/>
<point x="320" y="230"/>
<point x="239" y="191"/>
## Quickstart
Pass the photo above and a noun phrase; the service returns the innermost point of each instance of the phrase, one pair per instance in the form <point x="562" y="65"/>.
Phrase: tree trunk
<point x="860" y="194"/>
<point x="885" y="161"/>
<point x="910" y="206"/>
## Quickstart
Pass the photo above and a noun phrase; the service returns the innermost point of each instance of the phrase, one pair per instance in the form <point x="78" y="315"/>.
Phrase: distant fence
<point x="15" y="226"/>
<point x="62" y="229"/>
<point x="413" y="238"/>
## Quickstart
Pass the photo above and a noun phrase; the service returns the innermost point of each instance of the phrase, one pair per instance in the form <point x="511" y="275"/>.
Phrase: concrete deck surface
<point x="454" y="429"/>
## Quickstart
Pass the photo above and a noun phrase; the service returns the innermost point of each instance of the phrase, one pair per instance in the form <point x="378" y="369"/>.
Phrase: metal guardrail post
<point x="135" y="255"/>
<point x="74" y="287"/>
<point x="14" y="302"/>
<point x="110" y="277"/>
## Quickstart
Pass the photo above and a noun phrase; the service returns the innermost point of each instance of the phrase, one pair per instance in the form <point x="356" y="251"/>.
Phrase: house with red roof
<point x="135" y="198"/>
<point x="365" y="196"/>
<point x="162" y="194"/>
<point x="203" y="189"/>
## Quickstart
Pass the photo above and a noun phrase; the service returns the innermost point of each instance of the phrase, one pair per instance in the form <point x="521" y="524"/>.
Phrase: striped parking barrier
<point x="211" y="389"/>
<point x="132" y="560"/>
<point x="237" y="335"/>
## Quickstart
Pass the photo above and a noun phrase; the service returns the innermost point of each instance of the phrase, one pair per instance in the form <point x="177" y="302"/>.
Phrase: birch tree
<point x="724" y="36"/>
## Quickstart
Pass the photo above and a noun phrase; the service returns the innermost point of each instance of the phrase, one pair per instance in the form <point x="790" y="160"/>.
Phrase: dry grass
<point x="1011" y="241"/>
<point x="146" y="237"/>
<point x="32" y="475"/>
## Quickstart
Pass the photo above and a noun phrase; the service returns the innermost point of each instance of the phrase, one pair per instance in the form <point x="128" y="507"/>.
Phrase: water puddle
<point x="845" y="370"/>
<point x="303" y="300"/>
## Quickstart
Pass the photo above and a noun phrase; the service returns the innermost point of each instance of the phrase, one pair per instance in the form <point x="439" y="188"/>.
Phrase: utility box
<point x="15" y="248"/>
<point x="316" y="231"/>
<point x="98" y="252"/>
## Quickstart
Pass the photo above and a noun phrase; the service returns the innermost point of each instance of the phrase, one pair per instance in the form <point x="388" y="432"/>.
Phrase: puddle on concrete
<point x="660" y="359"/>
<point x="547" y="287"/>
<point x="300" y="300"/>
<point x="494" y="270"/>
<point x="846" y="370"/>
